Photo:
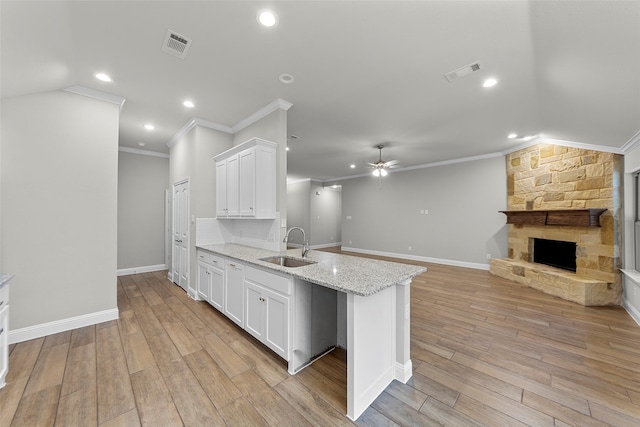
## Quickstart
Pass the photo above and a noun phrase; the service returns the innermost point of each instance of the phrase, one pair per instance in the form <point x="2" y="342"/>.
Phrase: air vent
<point x="176" y="44"/>
<point x="462" y="71"/>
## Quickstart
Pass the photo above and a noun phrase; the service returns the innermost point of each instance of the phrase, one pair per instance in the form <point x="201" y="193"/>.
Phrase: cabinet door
<point x="204" y="282"/>
<point x="276" y="327"/>
<point x="217" y="288"/>
<point x="221" y="189"/>
<point x="254" y="309"/>
<point x="247" y="192"/>
<point x="233" y="186"/>
<point x="234" y="292"/>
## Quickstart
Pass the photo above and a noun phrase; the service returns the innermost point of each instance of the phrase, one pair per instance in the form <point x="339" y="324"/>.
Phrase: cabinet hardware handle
<point x="232" y="265"/>
<point x="1" y="330"/>
<point x="1" y="302"/>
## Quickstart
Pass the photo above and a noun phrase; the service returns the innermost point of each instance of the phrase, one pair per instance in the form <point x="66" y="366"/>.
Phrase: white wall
<point x="142" y="181"/>
<point x="462" y="226"/>
<point x="59" y="209"/>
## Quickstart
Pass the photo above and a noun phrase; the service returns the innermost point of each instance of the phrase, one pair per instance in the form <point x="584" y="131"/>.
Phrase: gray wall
<point x="298" y="208"/>
<point x="192" y="157"/>
<point x="317" y="210"/>
<point x="142" y="181"/>
<point x="59" y="206"/>
<point x="272" y="127"/>
<point x="326" y="212"/>
<point x="463" y="224"/>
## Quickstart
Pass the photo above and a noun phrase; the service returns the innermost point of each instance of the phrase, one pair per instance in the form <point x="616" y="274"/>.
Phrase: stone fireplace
<point x="568" y="195"/>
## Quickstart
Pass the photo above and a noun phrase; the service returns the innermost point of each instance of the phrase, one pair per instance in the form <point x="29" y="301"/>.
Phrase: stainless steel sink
<point x="287" y="261"/>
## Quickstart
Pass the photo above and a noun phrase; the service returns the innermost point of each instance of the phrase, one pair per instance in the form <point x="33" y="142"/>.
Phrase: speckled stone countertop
<point x="356" y="275"/>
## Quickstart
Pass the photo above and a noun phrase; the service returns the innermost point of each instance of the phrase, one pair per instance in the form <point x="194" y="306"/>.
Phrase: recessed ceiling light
<point x="188" y="104"/>
<point x="512" y="135"/>
<point x="103" y="77"/>
<point x="266" y="18"/>
<point x="288" y="148"/>
<point x="141" y="144"/>
<point x="149" y="126"/>
<point x="490" y="82"/>
<point x="286" y="78"/>
<point x="352" y="166"/>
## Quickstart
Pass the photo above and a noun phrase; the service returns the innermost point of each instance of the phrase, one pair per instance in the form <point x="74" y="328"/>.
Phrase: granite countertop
<point x="356" y="275"/>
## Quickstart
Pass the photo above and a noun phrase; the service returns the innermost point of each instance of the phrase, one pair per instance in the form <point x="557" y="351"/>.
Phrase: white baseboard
<point x="633" y="312"/>
<point x="326" y="245"/>
<point x="50" y="328"/>
<point x="403" y="372"/>
<point x="451" y="262"/>
<point x="145" y="269"/>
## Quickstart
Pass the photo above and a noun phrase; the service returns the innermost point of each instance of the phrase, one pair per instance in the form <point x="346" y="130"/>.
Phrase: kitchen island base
<point x="377" y="345"/>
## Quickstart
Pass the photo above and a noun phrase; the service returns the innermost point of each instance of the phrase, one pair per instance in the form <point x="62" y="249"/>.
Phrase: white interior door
<point x="180" y="263"/>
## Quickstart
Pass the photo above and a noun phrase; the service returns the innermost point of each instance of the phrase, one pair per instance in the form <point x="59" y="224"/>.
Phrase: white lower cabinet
<point x="234" y="291"/>
<point x="211" y="279"/>
<point x="257" y="300"/>
<point x="267" y="308"/>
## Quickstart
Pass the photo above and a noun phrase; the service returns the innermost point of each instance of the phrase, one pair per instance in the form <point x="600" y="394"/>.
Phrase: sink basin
<point x="287" y="261"/>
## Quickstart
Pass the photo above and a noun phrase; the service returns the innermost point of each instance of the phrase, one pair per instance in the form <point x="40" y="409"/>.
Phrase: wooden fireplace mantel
<point x="570" y="217"/>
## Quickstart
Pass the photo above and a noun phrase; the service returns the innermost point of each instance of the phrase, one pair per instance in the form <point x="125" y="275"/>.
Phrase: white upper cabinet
<point x="246" y="181"/>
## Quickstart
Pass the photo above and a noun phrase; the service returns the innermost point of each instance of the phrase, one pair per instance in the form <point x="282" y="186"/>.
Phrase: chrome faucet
<point x="305" y="245"/>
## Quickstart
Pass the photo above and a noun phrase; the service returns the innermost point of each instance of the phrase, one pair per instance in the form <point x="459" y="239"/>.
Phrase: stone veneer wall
<point x="545" y="177"/>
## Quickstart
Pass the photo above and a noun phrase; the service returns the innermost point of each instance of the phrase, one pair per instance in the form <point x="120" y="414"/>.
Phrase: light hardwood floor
<point x="485" y="351"/>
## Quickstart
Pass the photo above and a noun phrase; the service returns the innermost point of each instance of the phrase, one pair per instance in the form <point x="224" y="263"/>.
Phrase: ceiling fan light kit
<point x="380" y="167"/>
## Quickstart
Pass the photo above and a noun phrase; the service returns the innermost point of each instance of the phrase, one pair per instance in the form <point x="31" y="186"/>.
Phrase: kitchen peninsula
<point x="297" y="311"/>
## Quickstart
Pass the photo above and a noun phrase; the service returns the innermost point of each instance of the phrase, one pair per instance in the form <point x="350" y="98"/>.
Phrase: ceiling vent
<point x="463" y="71"/>
<point x="176" y="44"/>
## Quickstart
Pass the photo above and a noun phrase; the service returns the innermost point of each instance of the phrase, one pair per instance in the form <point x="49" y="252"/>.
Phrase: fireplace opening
<point x="555" y="253"/>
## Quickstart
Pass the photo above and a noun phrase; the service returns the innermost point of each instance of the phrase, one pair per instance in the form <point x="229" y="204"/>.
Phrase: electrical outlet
<point x="350" y="242"/>
<point x="426" y="211"/>
<point x="410" y="248"/>
<point x="488" y="256"/>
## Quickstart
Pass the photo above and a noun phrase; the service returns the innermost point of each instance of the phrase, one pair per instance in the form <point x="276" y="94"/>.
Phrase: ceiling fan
<point x="380" y="167"/>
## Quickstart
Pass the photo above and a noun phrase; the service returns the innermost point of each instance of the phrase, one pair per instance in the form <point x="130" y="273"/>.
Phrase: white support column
<point x="403" y="366"/>
<point x="371" y="348"/>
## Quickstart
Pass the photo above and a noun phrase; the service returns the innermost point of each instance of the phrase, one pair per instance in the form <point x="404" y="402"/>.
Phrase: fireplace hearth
<point x="555" y="253"/>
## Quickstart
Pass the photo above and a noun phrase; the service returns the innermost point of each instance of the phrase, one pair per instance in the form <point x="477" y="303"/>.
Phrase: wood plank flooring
<point x="485" y="351"/>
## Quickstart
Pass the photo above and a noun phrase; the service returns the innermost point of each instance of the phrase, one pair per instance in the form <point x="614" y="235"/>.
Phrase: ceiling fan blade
<point x="391" y="163"/>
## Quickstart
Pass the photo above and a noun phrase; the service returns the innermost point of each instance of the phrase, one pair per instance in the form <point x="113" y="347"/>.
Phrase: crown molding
<point x="571" y="144"/>
<point x="295" y="181"/>
<point x="631" y="144"/>
<point x="276" y="104"/>
<point x="143" y="152"/>
<point x="96" y="94"/>
<point x="193" y="123"/>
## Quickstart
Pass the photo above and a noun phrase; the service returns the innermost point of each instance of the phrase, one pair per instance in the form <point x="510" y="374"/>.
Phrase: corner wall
<point x="59" y="211"/>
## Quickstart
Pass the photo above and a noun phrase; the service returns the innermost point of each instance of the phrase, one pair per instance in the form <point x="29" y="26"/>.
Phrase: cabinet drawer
<point x="209" y="258"/>
<point x="204" y="257"/>
<point x="216" y="261"/>
<point x="269" y="280"/>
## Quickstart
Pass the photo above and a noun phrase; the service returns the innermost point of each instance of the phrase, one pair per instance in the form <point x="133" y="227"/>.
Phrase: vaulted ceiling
<point x="364" y="72"/>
